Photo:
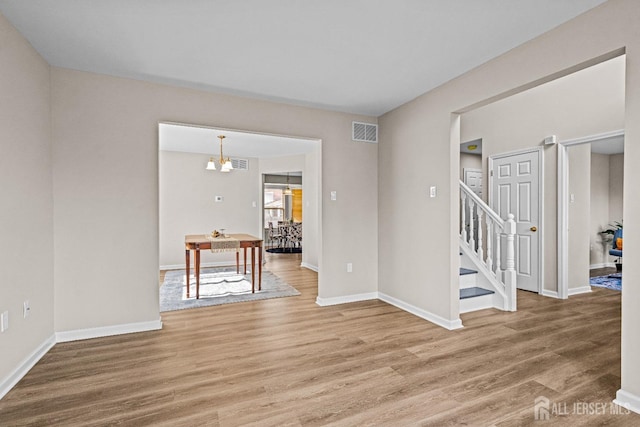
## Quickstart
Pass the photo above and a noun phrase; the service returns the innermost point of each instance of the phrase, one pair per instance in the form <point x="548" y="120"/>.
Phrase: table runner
<point x="222" y="244"/>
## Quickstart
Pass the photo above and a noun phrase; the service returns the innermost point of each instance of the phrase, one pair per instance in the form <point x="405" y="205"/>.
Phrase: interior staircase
<point x="472" y="296"/>
<point x="487" y="256"/>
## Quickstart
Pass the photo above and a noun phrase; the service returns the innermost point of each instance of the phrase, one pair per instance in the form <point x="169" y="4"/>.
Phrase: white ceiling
<point x="360" y="56"/>
<point x="192" y="139"/>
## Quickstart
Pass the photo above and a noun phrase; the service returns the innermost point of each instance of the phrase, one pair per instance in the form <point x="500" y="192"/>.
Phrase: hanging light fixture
<point x="287" y="191"/>
<point x="225" y="165"/>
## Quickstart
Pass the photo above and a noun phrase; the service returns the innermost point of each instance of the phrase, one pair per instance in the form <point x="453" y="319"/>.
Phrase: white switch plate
<point x="432" y="191"/>
<point x="26" y="309"/>
<point x="254" y="204"/>
<point x="4" y="321"/>
<point x="349" y="267"/>
<point x="334" y="195"/>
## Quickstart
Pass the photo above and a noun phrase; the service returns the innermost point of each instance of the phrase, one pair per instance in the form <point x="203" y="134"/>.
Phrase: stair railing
<point x="482" y="235"/>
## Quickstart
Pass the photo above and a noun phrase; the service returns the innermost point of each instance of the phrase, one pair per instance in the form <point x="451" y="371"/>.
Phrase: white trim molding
<point x="628" y="401"/>
<point x="602" y="265"/>
<point x="424" y="314"/>
<point x="580" y="290"/>
<point x="23" y="368"/>
<point x="324" y="302"/>
<point x="563" y="204"/>
<point x="106" y="331"/>
<point x="309" y="266"/>
<point x="550" y="294"/>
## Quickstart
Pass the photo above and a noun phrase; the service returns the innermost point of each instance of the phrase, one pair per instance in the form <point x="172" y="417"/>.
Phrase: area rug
<point x="219" y="286"/>
<point x="612" y="281"/>
<point x="285" y="250"/>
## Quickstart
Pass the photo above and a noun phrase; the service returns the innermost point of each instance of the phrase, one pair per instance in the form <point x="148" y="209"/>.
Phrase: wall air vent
<point x="240" y="164"/>
<point x="365" y="132"/>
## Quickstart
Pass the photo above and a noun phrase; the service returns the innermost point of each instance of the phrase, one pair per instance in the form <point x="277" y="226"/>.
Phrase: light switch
<point x="254" y="204"/>
<point x="432" y="191"/>
<point x="334" y="195"/>
<point x="4" y="321"/>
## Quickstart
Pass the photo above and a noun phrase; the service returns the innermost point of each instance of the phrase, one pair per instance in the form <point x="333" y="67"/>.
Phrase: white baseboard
<point x="628" y="401"/>
<point x="602" y="265"/>
<point x="309" y="266"/>
<point x="7" y="384"/>
<point x="323" y="302"/>
<point x="431" y="317"/>
<point x="106" y="331"/>
<point x="550" y="294"/>
<point x="580" y="290"/>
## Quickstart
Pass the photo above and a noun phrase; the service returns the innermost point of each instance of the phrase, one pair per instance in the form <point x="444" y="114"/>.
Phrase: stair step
<point x="465" y="271"/>
<point x="474" y="292"/>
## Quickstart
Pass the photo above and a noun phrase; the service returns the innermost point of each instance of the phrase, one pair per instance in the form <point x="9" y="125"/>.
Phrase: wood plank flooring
<point x="288" y="361"/>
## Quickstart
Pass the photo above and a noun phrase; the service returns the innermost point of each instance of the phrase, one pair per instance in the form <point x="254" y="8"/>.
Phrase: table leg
<point x="187" y="255"/>
<point x="245" y="260"/>
<point x="237" y="261"/>
<point x="253" y="269"/>
<point x="197" y="268"/>
<point x="260" y="268"/>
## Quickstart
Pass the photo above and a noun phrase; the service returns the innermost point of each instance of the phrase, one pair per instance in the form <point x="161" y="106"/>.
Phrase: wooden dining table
<point x="197" y="242"/>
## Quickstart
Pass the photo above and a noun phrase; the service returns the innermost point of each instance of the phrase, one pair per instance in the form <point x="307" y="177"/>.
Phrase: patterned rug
<point x="218" y="286"/>
<point x="612" y="281"/>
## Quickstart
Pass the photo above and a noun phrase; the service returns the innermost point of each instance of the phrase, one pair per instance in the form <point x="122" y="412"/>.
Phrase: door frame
<point x="563" y="205"/>
<point x="539" y="151"/>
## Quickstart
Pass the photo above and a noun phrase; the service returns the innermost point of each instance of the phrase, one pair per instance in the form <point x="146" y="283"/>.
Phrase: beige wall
<point x="105" y="151"/>
<point x="26" y="220"/>
<point x="616" y="187"/>
<point x="607" y="172"/>
<point x="471" y="161"/>
<point x="187" y="205"/>
<point x="599" y="210"/>
<point x="418" y="136"/>
<point x="579" y="223"/>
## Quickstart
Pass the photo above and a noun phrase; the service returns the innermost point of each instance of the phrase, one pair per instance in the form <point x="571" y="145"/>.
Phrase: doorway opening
<point x="195" y="199"/>
<point x="585" y="102"/>
<point x="283" y="212"/>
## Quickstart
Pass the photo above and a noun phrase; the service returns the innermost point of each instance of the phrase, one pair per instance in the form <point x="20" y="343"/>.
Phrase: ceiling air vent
<point x="365" y="132"/>
<point x="240" y="164"/>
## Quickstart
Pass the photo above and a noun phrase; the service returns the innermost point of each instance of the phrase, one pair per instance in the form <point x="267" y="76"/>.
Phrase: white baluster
<point x="498" y="256"/>
<point x="490" y="244"/>
<point x="463" y="195"/>
<point x="480" y="248"/>
<point x="472" y="240"/>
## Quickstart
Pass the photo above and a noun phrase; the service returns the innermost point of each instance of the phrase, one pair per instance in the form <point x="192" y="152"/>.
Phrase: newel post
<point x="510" y="262"/>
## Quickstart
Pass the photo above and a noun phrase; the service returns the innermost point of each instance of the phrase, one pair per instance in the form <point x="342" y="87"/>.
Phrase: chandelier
<point x="225" y="165"/>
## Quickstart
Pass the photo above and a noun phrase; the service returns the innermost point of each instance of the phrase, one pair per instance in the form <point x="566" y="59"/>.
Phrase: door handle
<point x="534" y="229"/>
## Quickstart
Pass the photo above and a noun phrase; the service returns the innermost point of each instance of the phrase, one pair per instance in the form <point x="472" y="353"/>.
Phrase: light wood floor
<point x="288" y="361"/>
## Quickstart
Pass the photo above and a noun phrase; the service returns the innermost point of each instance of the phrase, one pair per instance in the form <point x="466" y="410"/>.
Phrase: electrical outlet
<point x="26" y="309"/>
<point x="4" y="321"/>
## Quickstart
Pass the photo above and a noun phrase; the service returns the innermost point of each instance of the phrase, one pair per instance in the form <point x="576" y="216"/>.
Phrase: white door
<point x="473" y="179"/>
<point x="515" y="189"/>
